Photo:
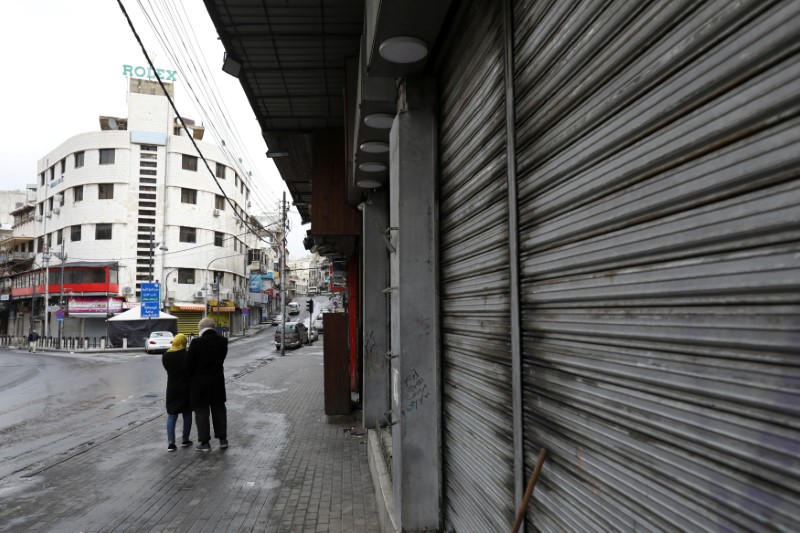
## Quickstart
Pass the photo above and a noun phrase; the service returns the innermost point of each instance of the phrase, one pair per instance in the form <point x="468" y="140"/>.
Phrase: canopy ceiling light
<point x="374" y="147"/>
<point x="271" y="154"/>
<point x="369" y="183"/>
<point x="381" y="121"/>
<point x="372" y="166"/>
<point x="232" y="65"/>
<point x="403" y="49"/>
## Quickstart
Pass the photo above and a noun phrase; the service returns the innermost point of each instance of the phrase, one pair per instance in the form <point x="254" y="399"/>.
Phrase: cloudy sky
<point x="63" y="68"/>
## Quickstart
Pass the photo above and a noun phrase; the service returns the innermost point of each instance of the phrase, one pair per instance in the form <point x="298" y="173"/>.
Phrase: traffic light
<point x="310" y="306"/>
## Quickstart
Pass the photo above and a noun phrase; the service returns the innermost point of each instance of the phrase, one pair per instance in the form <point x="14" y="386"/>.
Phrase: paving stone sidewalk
<point x="287" y="470"/>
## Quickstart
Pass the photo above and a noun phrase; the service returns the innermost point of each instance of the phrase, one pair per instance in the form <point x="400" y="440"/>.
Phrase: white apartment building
<point x="137" y="195"/>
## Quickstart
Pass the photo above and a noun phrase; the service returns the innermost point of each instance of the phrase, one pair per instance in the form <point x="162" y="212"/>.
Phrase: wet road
<point x="54" y="405"/>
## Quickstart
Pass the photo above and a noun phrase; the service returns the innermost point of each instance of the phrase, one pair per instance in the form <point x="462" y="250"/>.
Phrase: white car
<point x="318" y="323"/>
<point x="159" y="341"/>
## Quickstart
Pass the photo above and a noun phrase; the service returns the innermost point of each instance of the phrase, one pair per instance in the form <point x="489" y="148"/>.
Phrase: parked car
<point x="295" y="333"/>
<point x="313" y="334"/>
<point x="318" y="322"/>
<point x="158" y="341"/>
<point x="277" y="319"/>
<point x="293" y="308"/>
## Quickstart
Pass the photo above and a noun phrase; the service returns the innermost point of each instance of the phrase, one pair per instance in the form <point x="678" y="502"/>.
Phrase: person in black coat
<point x="174" y="361"/>
<point x="204" y="364"/>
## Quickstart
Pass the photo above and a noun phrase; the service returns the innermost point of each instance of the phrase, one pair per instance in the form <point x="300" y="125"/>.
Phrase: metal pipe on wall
<point x="513" y="252"/>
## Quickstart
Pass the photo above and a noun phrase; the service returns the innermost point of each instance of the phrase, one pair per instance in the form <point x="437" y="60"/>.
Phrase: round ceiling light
<point x="372" y="166"/>
<point x="403" y="49"/>
<point x="369" y="184"/>
<point x="382" y="121"/>
<point x="374" y="147"/>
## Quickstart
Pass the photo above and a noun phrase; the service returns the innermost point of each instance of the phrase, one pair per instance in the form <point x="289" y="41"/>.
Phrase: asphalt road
<point x="54" y="405"/>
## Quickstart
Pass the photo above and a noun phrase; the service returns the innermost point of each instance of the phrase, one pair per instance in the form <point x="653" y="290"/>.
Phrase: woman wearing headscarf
<point x="177" y="391"/>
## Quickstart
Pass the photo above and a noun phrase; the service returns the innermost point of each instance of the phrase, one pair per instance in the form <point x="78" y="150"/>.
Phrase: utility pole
<point x="46" y="259"/>
<point x="61" y="295"/>
<point x="283" y="276"/>
<point x="151" y="254"/>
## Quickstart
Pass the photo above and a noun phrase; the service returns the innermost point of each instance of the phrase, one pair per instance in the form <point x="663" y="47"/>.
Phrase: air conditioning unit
<point x="127" y="290"/>
<point x="171" y="295"/>
<point x="198" y="294"/>
<point x="56" y="210"/>
<point x="38" y="218"/>
<point x="216" y="212"/>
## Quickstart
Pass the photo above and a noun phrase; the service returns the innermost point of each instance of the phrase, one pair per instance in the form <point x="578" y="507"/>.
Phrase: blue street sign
<point x="150" y="309"/>
<point x="150" y="292"/>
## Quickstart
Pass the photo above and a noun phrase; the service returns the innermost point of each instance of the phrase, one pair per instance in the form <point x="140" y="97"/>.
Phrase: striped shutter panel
<point x="658" y="160"/>
<point x="476" y="365"/>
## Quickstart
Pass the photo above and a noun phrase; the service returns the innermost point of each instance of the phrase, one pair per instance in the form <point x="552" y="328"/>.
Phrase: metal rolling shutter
<point x="187" y="321"/>
<point x="658" y="159"/>
<point x="476" y="363"/>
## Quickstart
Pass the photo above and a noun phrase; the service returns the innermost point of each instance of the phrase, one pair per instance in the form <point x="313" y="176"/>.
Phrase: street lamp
<point x="166" y="287"/>
<point x="207" y="286"/>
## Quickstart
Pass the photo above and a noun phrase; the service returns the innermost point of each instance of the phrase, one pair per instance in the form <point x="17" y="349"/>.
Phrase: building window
<point x="189" y="162"/>
<point x="63" y="165"/>
<point x="78" y="159"/>
<point x="105" y="191"/>
<point x="41" y="178"/>
<point x="106" y="156"/>
<point x="102" y="232"/>
<point x="148" y="156"/>
<point x="52" y="173"/>
<point x="218" y="238"/>
<point x="188" y="234"/>
<point x="146" y="172"/>
<point x="41" y="208"/>
<point x="149" y="148"/>
<point x="235" y="245"/>
<point x="148" y="164"/>
<point x="147" y="180"/>
<point x="59" y="236"/>
<point x="49" y="240"/>
<point x="185" y="275"/>
<point x="188" y="196"/>
<point x="75" y="233"/>
<point x="220" y="171"/>
<point x="50" y="204"/>
<point x="219" y="202"/>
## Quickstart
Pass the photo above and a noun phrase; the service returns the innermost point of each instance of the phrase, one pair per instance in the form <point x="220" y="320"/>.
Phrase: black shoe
<point x="223" y="443"/>
<point x="171" y="447"/>
<point x="203" y="447"/>
<point x="186" y="443"/>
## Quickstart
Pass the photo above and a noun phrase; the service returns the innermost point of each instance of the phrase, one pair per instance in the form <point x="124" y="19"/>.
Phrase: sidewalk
<point x="287" y="469"/>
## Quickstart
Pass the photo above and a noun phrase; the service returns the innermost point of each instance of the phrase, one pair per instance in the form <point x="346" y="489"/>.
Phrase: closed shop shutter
<point x="476" y="364"/>
<point x="187" y="321"/>
<point x="658" y="160"/>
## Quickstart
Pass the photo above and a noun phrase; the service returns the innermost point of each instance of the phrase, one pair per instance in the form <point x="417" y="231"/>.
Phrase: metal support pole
<point x="151" y="254"/>
<point x="282" y="325"/>
<point x="61" y="295"/>
<point x="46" y="258"/>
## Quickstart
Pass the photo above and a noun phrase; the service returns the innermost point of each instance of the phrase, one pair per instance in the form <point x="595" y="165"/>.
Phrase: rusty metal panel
<point x="336" y="360"/>
<point x="658" y="148"/>
<point x="475" y="303"/>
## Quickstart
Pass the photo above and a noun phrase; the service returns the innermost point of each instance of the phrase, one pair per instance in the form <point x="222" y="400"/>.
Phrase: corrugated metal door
<point x="658" y="160"/>
<point x="187" y="321"/>
<point x="476" y="365"/>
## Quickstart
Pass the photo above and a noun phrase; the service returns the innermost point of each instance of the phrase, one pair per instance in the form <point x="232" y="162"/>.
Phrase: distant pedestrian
<point x="204" y="364"/>
<point x="174" y="361"/>
<point x="33" y="340"/>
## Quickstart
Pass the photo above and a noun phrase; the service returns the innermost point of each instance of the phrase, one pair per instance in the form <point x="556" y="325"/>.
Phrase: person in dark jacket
<point x="174" y="361"/>
<point x="33" y="338"/>
<point x="204" y="364"/>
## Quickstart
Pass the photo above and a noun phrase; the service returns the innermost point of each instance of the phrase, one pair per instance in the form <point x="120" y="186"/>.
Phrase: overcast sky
<point x="63" y="68"/>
